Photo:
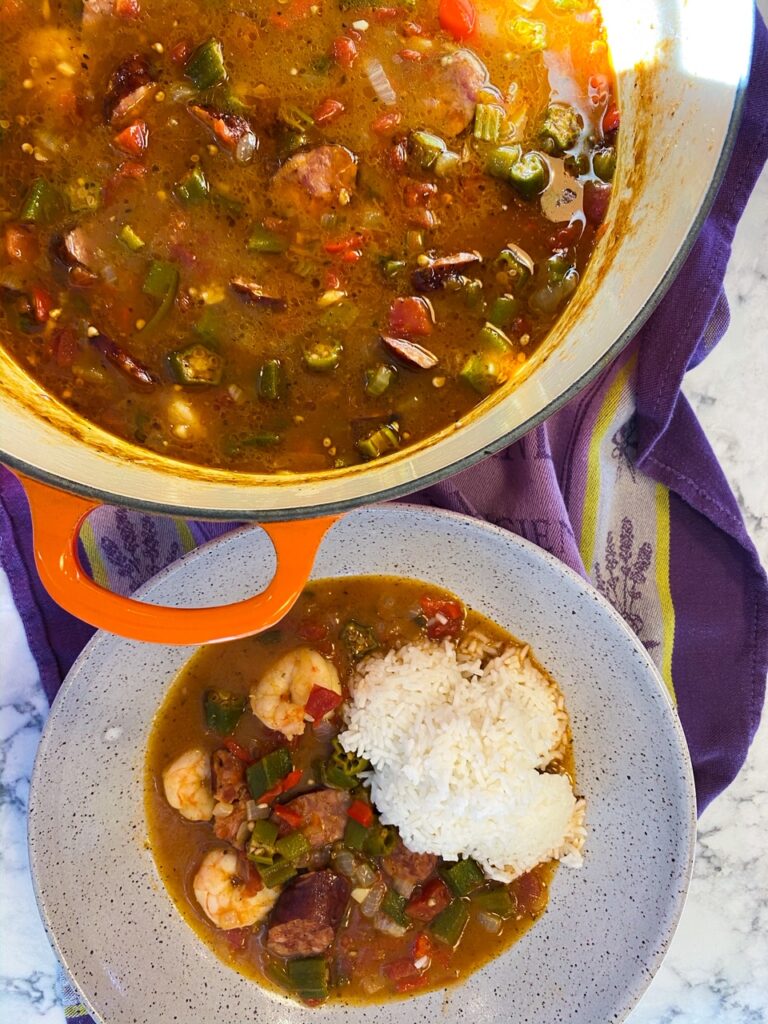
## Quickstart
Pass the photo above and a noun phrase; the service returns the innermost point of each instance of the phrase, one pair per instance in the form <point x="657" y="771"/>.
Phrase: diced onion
<point x="365" y="874"/>
<point x="245" y="148"/>
<point x="222" y="810"/>
<point x="422" y="963"/>
<point x="491" y="922"/>
<point x="372" y="901"/>
<point x="380" y="83"/>
<point x="251" y="810"/>
<point x="358" y="895"/>
<point x="386" y="925"/>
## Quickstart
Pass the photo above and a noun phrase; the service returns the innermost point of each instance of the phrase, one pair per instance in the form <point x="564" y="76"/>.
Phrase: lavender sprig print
<point x="623" y="576"/>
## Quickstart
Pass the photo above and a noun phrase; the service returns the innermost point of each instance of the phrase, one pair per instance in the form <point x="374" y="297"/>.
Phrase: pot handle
<point x="56" y="520"/>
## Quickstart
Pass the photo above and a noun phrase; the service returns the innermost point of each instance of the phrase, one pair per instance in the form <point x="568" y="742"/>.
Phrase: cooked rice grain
<point x="458" y="752"/>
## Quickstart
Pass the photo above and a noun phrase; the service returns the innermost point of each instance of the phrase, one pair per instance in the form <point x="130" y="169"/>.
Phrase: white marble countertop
<point x="716" y="971"/>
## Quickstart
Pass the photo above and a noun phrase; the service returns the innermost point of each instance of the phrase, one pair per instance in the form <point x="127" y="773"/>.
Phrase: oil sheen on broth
<point x="362" y="962"/>
<point x="294" y="236"/>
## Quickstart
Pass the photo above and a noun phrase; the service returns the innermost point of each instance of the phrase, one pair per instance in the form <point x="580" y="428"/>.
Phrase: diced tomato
<point x="65" y="347"/>
<point x="288" y="815"/>
<point x="422" y="946"/>
<point x="41" y="304"/>
<point x="385" y="123"/>
<point x="312" y="631"/>
<point x="445" y="618"/>
<point x="404" y="975"/>
<point x="410" y="317"/>
<point x="412" y="56"/>
<point x="611" y="119"/>
<point x="127" y="8"/>
<point x="528" y="890"/>
<point x="237" y="937"/>
<point x="361" y="812"/>
<point x="181" y="52"/>
<point x="351" y="256"/>
<point x="20" y="244"/>
<point x="291" y="779"/>
<point x="457" y="17"/>
<point x="338" y="245"/>
<point x="240" y="752"/>
<point x="320" y="702"/>
<point x="134" y="139"/>
<point x="433" y="898"/>
<point x="328" y="111"/>
<point x="294" y="12"/>
<point x="344" y="51"/>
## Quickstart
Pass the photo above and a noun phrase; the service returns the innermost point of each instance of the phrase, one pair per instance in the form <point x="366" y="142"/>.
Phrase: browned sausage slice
<point x="129" y="85"/>
<point x="309" y="183"/>
<point x="307" y="914"/>
<point x="324" y="815"/>
<point x="408" y="869"/>
<point x="436" y="273"/>
<point x="410" y="353"/>
<point x="450" y="90"/>
<point x="228" y="776"/>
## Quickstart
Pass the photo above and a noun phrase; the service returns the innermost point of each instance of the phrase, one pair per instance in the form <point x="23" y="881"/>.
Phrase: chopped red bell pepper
<point x="20" y="244"/>
<point x="404" y="975"/>
<point x="320" y="702"/>
<point x="422" y="947"/>
<point x="134" y="139"/>
<point x="291" y="779"/>
<point x="41" y="304"/>
<point x="286" y="814"/>
<point x="445" y="618"/>
<point x="457" y="17"/>
<point x="361" y="812"/>
<point x="234" y="748"/>
<point x="434" y="897"/>
<point x="128" y="9"/>
<point x="351" y="256"/>
<point x="340" y="245"/>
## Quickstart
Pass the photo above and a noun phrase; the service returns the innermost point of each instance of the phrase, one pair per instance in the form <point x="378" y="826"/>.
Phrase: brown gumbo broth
<point x="361" y="957"/>
<point x="294" y="235"/>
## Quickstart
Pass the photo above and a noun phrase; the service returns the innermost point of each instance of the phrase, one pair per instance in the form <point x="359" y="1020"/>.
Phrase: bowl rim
<point x="406" y="487"/>
<point x="688" y="820"/>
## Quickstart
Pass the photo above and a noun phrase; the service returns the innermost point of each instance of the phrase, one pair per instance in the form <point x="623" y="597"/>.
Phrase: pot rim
<point x="410" y="486"/>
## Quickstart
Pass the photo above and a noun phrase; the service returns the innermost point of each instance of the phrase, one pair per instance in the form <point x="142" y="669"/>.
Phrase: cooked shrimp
<point x="280" y="696"/>
<point x="222" y="893"/>
<point x="187" y="784"/>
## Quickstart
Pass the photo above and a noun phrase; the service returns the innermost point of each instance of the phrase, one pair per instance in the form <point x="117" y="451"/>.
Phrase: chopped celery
<point x="308" y="978"/>
<point x="295" y="117"/>
<point x="323" y="356"/>
<point x="206" y="68"/>
<point x="493" y="338"/>
<point x="489" y="120"/>
<point x="604" y="163"/>
<point x="378" y="442"/>
<point x="355" y="835"/>
<point x="265" y="833"/>
<point x="393" y="905"/>
<point x="41" y="204"/>
<point x="196" y="364"/>
<point x="378" y="379"/>
<point x="293" y="847"/>
<point x="359" y="640"/>
<point x="561" y="128"/>
<point x="426" y="148"/>
<point x="266" y="773"/>
<point x="495" y="899"/>
<point x="450" y="923"/>
<point x="391" y="268"/>
<point x="503" y="310"/>
<point x="261" y="240"/>
<point x="481" y="372"/>
<point x="193" y="187"/>
<point x="463" y="876"/>
<point x="222" y="710"/>
<point x="270" y="385"/>
<point x="130" y="239"/>
<point x="161" y="278"/>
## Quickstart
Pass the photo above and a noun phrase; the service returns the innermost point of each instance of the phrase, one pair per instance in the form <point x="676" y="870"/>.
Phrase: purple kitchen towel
<point x="621" y="484"/>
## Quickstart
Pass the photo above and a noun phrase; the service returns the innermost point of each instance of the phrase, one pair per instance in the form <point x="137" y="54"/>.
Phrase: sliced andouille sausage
<point x="410" y="353"/>
<point x="231" y="131"/>
<point x="228" y="776"/>
<point x="436" y="273"/>
<point x="73" y="251"/>
<point x="123" y="360"/>
<point x="254" y="294"/>
<point x="324" y="815"/>
<point x="130" y="84"/>
<point x="310" y="182"/>
<point x="307" y="914"/>
<point x="408" y="869"/>
<point x="451" y="85"/>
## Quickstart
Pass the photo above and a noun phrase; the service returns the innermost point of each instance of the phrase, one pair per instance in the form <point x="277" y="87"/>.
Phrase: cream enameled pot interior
<point x="681" y="68"/>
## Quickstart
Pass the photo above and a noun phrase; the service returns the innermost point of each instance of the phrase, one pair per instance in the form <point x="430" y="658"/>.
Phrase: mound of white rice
<point x="455" y="749"/>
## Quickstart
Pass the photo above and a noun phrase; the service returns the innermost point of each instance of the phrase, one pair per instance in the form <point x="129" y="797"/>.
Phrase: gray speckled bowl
<point x="608" y="925"/>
